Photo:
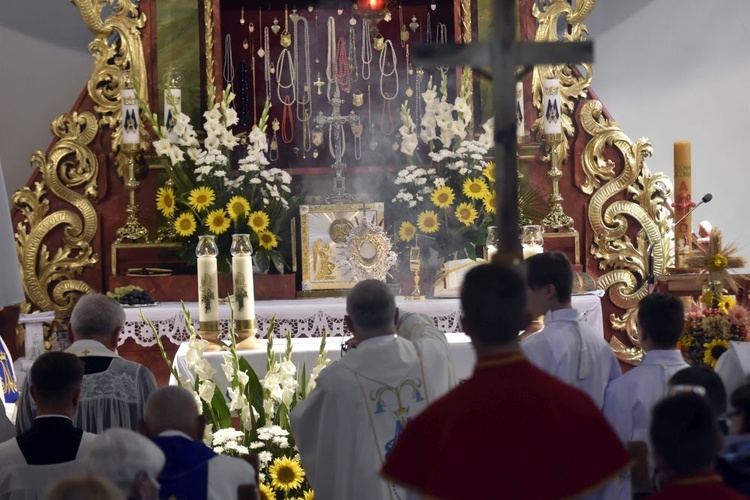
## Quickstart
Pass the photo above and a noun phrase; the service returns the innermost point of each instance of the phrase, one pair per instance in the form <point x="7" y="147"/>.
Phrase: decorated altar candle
<point x="208" y="285"/>
<point x="242" y="277"/>
<point x="683" y="201"/>
<point x="551" y="111"/>
<point x="172" y="101"/>
<point x="129" y="111"/>
<point x="531" y="250"/>
<point x="520" y="127"/>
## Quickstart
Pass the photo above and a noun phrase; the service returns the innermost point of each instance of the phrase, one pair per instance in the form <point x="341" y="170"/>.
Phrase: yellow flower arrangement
<point x="427" y="222"/>
<point x="216" y="182"/>
<point x="309" y="495"/>
<point x="475" y="189"/>
<point x="443" y="197"/>
<point x="407" y="231"/>
<point x="286" y="474"/>
<point x="466" y="214"/>
<point x="201" y="198"/>
<point x="489" y="171"/>
<point x="717" y="262"/>
<point x="237" y="206"/>
<point x="490" y="202"/>
<point x="266" y="493"/>
<point x="217" y="221"/>
<point x="165" y="201"/>
<point x="185" y="224"/>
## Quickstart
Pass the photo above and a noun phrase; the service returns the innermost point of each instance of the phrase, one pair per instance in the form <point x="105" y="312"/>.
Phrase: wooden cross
<point x="503" y="54"/>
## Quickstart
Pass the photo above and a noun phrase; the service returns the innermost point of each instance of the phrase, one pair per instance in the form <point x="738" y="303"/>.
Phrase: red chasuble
<point x="510" y="431"/>
<point x="697" y="487"/>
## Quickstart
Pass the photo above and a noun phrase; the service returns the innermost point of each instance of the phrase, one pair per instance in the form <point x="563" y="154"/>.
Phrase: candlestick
<point x="556" y="218"/>
<point x="415" y="264"/>
<point x="129" y="112"/>
<point x="520" y="125"/>
<point x="208" y="291"/>
<point x="244" y="293"/>
<point x="682" y="200"/>
<point x="551" y="106"/>
<point x="172" y="101"/>
<point x="532" y="240"/>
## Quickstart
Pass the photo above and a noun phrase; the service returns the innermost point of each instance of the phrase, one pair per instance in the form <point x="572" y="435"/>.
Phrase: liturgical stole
<point x="185" y="474"/>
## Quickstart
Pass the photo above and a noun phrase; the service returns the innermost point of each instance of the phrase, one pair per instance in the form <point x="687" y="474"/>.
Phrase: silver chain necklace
<point x="366" y="50"/>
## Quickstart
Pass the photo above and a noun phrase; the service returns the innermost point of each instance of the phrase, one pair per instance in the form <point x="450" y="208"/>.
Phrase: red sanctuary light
<point x="365" y="5"/>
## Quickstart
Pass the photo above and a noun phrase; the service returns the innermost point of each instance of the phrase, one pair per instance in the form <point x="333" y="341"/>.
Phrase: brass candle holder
<point x="556" y="218"/>
<point x="415" y="265"/>
<point x="247" y="335"/>
<point x="209" y="331"/>
<point x="132" y="230"/>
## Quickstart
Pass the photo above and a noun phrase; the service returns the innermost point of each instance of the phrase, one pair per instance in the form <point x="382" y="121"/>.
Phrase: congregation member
<point x="734" y="365"/>
<point x="511" y="430"/>
<point x="686" y="441"/>
<point x="86" y="487"/>
<point x="734" y="462"/>
<point x="349" y="423"/>
<point x="566" y="347"/>
<point x="128" y="460"/>
<point x="702" y="377"/>
<point x="192" y="469"/>
<point x="114" y="390"/>
<point x="56" y="387"/>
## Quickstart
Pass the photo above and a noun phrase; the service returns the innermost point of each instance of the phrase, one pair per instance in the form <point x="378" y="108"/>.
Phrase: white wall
<point x="671" y="70"/>
<point x="44" y="65"/>
<point x="666" y="69"/>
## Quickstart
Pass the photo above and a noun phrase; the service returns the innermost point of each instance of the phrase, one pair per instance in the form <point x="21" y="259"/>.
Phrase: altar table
<point x="306" y="318"/>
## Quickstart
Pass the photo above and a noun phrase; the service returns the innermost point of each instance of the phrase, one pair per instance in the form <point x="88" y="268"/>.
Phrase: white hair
<point x="96" y="315"/>
<point x="171" y="408"/>
<point x="119" y="455"/>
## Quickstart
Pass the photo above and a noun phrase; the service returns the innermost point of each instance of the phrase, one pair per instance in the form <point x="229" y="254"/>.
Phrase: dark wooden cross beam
<point x="503" y="54"/>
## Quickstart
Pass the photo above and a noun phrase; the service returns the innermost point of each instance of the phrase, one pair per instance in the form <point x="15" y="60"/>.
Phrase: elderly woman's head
<point x="129" y="460"/>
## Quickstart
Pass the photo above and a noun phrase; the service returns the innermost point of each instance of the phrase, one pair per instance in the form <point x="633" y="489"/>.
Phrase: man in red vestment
<point x="686" y="440"/>
<point x="511" y="430"/>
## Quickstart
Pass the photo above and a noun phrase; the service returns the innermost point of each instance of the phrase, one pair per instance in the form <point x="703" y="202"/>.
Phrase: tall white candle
<point x="520" y="127"/>
<point x="208" y="290"/>
<point x="244" y="291"/>
<point x="172" y="108"/>
<point x="129" y="110"/>
<point x="551" y="111"/>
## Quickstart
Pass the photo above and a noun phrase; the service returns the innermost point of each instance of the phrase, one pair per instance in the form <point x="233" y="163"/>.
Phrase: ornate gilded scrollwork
<point x="573" y="82"/>
<point x="50" y="281"/>
<point x="117" y="47"/>
<point x="627" y="281"/>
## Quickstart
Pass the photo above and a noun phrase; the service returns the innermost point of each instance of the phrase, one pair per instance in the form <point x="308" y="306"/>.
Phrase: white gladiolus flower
<point x="230" y="116"/>
<point x="409" y="144"/>
<point x="162" y="147"/>
<point x="206" y="390"/>
<point x="213" y="115"/>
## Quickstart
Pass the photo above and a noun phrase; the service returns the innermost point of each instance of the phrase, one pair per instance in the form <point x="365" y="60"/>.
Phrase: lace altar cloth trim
<point x="305" y="318"/>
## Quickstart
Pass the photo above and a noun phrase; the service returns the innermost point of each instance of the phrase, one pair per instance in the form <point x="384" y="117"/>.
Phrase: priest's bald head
<point x="97" y="317"/>
<point x="371" y="310"/>
<point x="493" y="301"/>
<point x="172" y="408"/>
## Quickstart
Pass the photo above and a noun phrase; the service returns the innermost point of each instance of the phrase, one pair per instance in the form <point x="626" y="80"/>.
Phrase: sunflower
<point x="490" y="202"/>
<point x="407" y="231"/>
<point x="475" y="189"/>
<point x="718" y="262"/>
<point x="185" y="224"/>
<point x="258" y="221"/>
<point x="237" y="206"/>
<point x="489" y="171"/>
<point x="686" y="341"/>
<point x="466" y="214"/>
<point x="267" y="240"/>
<point x="427" y="222"/>
<point x="217" y="221"/>
<point x="309" y="495"/>
<point x="712" y="350"/>
<point x="726" y="302"/>
<point x="286" y="474"/>
<point x="201" y="198"/>
<point x="165" y="201"/>
<point x="266" y="493"/>
<point x="442" y="197"/>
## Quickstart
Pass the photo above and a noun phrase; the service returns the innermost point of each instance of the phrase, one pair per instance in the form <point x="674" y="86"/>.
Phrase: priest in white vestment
<point x="629" y="399"/>
<point x="361" y="403"/>
<point x="566" y="347"/>
<point x="114" y="390"/>
<point x="734" y="366"/>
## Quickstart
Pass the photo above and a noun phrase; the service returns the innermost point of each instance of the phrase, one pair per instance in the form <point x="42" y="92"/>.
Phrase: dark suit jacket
<point x="50" y="440"/>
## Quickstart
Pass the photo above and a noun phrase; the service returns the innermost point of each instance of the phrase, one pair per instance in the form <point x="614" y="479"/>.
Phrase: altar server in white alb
<point x="394" y="368"/>
<point x="566" y="347"/>
<point x="734" y="366"/>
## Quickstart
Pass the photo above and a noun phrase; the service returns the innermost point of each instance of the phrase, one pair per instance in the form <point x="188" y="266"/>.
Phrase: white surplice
<point x="114" y="397"/>
<point x="346" y="427"/>
<point x="11" y="293"/>
<point x="734" y="366"/>
<point x="572" y="351"/>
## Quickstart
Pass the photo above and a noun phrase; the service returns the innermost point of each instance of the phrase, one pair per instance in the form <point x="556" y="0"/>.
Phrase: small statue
<point x="322" y="261"/>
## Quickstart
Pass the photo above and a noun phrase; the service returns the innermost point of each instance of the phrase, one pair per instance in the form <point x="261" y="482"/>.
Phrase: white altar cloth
<point x="306" y="318"/>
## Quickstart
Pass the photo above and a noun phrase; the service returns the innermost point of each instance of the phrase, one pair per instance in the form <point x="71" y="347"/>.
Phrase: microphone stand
<point x="650" y="250"/>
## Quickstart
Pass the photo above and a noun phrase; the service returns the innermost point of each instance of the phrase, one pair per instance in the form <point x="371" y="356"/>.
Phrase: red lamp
<point x="373" y="11"/>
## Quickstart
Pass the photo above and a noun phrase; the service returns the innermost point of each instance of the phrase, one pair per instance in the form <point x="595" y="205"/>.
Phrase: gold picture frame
<point x="324" y="231"/>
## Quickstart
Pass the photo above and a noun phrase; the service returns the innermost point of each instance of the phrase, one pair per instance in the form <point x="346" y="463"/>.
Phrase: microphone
<point x="650" y="250"/>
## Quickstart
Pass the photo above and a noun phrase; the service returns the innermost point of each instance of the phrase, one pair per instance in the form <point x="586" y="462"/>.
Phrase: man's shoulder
<point x="232" y="467"/>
